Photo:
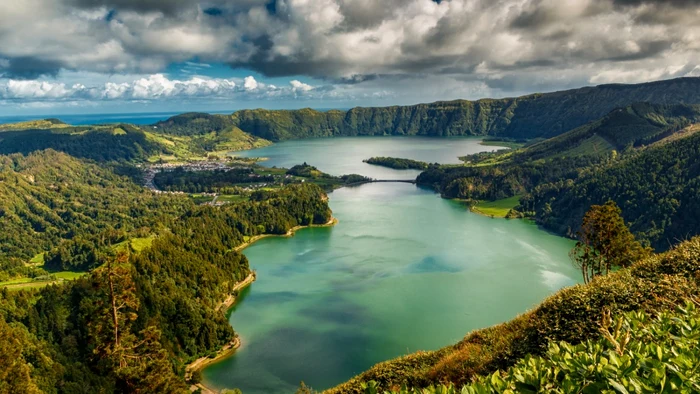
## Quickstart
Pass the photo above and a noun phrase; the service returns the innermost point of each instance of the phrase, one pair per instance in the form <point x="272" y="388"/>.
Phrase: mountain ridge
<point x="537" y="115"/>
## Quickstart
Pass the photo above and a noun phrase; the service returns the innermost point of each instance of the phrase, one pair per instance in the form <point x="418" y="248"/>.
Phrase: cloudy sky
<point x="88" y="56"/>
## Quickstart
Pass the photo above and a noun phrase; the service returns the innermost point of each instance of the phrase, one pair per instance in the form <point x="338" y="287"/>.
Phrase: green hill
<point x="100" y="143"/>
<point x="652" y="175"/>
<point x="134" y="321"/>
<point x="33" y="124"/>
<point x="658" y="189"/>
<point x="48" y="197"/>
<point x="533" y="116"/>
<point x="187" y="136"/>
<point x="633" y="126"/>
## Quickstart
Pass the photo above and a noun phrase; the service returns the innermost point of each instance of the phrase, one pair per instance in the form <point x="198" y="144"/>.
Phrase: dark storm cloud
<point x="164" y="6"/>
<point x="27" y="67"/>
<point x="359" y="43"/>
<point x="672" y="3"/>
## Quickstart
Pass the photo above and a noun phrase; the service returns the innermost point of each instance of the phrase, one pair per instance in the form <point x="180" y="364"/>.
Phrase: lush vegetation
<point x="137" y="317"/>
<point x="128" y="143"/>
<point x="194" y="123"/>
<point x="239" y="180"/>
<point x="605" y="243"/>
<point x="48" y="197"/>
<point x="643" y="157"/>
<point x="638" y="353"/>
<point x="656" y="188"/>
<point x="118" y="143"/>
<point x="498" y="208"/>
<point x="653" y="285"/>
<point x="495" y="182"/>
<point x="637" y="125"/>
<point x="397" y="163"/>
<point x="207" y="181"/>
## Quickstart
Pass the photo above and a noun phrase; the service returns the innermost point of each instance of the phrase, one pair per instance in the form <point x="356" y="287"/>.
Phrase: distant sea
<point x="83" y="119"/>
<point x="132" y="118"/>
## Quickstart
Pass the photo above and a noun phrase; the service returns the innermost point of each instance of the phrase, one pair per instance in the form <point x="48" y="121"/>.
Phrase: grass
<point x="35" y="283"/>
<point x="32" y="124"/>
<point x="68" y="275"/>
<point x="38" y="259"/>
<point x="593" y="146"/>
<point x="232" y="198"/>
<point x="503" y="144"/>
<point x="137" y="244"/>
<point x="498" y="208"/>
<point x="188" y="148"/>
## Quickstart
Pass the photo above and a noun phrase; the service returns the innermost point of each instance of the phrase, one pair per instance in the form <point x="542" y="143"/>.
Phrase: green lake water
<point x="404" y="270"/>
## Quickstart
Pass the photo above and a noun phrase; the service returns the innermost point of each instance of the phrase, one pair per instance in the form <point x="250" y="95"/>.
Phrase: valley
<point x="400" y="242"/>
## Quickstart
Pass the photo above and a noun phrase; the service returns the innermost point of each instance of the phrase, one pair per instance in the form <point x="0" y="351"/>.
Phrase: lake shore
<point x="230" y="301"/>
<point x="227" y="349"/>
<point x="289" y="233"/>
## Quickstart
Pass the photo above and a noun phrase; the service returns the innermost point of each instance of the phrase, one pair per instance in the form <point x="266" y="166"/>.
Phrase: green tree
<point x="14" y="369"/>
<point x="605" y="242"/>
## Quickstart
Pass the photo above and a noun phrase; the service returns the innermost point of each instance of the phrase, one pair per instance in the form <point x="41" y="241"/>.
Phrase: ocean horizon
<point x="137" y="118"/>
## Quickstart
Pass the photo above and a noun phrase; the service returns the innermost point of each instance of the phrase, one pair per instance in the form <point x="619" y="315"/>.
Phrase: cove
<point x="404" y="270"/>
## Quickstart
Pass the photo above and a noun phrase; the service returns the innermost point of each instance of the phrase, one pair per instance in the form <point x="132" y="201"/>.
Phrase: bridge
<point x="412" y="181"/>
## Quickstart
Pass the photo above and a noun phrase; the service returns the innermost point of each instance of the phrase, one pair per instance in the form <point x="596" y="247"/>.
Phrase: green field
<point x="232" y="198"/>
<point x="37" y="260"/>
<point x="34" y="283"/>
<point x="137" y="244"/>
<point x="593" y="146"/>
<point x="498" y="208"/>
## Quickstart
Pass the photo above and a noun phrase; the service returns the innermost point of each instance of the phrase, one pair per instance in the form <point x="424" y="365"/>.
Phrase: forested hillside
<point x="194" y="123"/>
<point x="100" y="143"/>
<point x="657" y="188"/>
<point x="637" y="125"/>
<point x="164" y="299"/>
<point x="47" y="197"/>
<point x="644" y="157"/>
<point x="533" y="116"/>
<point x="129" y="143"/>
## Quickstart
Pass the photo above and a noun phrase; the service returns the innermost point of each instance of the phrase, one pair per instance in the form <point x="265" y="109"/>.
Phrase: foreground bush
<point x="636" y="354"/>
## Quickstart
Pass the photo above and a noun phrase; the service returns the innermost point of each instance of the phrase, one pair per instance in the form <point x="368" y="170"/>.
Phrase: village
<point x="151" y="170"/>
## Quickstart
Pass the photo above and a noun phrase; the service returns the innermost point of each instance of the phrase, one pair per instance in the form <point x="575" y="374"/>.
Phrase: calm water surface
<point x="344" y="155"/>
<point x="404" y="270"/>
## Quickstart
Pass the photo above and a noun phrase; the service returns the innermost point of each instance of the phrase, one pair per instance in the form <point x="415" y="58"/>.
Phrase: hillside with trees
<point x="533" y="116"/>
<point x="652" y="178"/>
<point x="640" y="353"/>
<point x="137" y="317"/>
<point x="656" y="188"/>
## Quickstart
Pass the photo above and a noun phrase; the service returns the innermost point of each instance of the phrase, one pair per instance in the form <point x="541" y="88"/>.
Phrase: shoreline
<point x="288" y="234"/>
<point x="229" y="348"/>
<point x="224" y="306"/>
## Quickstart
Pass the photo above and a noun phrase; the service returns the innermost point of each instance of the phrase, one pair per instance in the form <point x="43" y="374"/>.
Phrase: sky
<point x="118" y="56"/>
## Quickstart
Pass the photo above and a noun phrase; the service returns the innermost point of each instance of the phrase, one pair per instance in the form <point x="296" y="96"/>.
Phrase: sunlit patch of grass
<point x="498" y="208"/>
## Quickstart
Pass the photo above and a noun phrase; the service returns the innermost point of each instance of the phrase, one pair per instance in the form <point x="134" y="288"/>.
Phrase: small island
<point x="397" y="163"/>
